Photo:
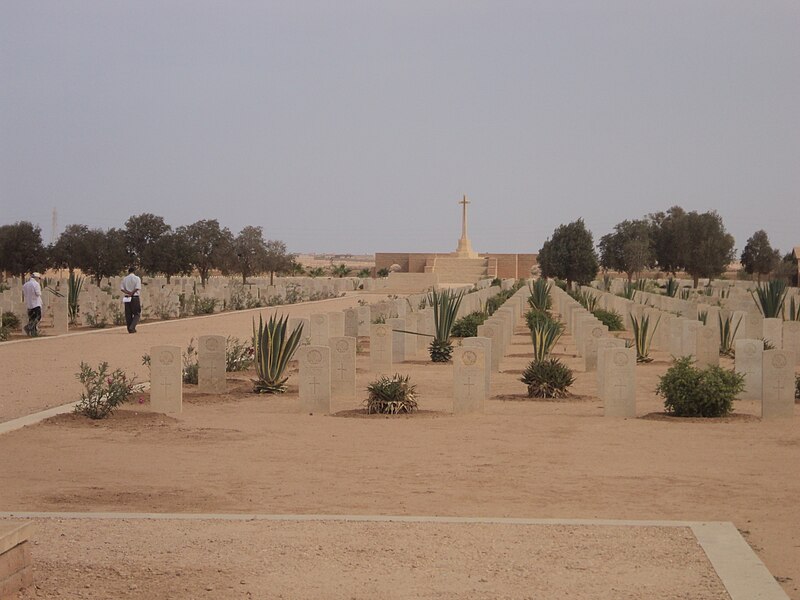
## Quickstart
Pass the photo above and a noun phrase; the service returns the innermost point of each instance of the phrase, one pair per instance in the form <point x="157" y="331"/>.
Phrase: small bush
<point x="548" y="378"/>
<point x="10" y="320"/>
<point x="203" y="306"/>
<point x="536" y="317"/>
<point x="238" y="356"/>
<point x="496" y="282"/>
<point x="391" y="396"/>
<point x="468" y="326"/>
<point x="610" y="318"/>
<point x="797" y="387"/>
<point x="692" y="392"/>
<point x="5" y="333"/>
<point x="103" y="392"/>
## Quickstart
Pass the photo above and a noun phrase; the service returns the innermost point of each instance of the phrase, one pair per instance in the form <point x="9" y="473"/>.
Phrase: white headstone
<point x="320" y="329"/>
<point x="748" y="361"/>
<point x="486" y="345"/>
<point x="315" y="379"/>
<point x="469" y="379"/>
<point x="380" y="348"/>
<point x="343" y="367"/>
<point x="619" y="382"/>
<point x="166" y="379"/>
<point x="211" y="364"/>
<point x="777" y="392"/>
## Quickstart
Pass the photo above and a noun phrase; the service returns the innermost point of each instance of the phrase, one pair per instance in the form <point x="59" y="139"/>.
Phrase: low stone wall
<point x="16" y="565"/>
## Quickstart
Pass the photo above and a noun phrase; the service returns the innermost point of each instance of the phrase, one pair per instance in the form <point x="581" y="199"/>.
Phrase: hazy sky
<point x="346" y="126"/>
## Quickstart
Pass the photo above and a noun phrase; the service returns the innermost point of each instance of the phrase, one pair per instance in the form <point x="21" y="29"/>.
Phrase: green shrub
<point x="535" y="317"/>
<point x="610" y="318"/>
<point x="273" y="347"/>
<point x="103" y="391"/>
<point x="468" y="326"/>
<point x="391" y="396"/>
<point x="692" y="392"/>
<point x="238" y="356"/>
<point x="5" y="333"/>
<point x="203" y="306"/>
<point x="10" y="320"/>
<point x="643" y="337"/>
<point x="496" y="282"/>
<point x="797" y="387"/>
<point x="540" y="295"/>
<point x="548" y="378"/>
<point x="561" y="283"/>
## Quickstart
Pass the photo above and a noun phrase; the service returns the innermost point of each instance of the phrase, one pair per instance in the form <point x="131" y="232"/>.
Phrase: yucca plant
<point x="445" y="305"/>
<point x="628" y="291"/>
<point x="587" y="300"/>
<point x="671" y="288"/>
<point x="273" y="350"/>
<point x="540" y="295"/>
<point x="643" y="337"/>
<point x="727" y="335"/>
<point x="548" y="378"/>
<point x="769" y="298"/>
<point x="544" y="335"/>
<point x="74" y="285"/>
<point x="391" y="396"/>
<point x="702" y="316"/>
<point x="686" y="293"/>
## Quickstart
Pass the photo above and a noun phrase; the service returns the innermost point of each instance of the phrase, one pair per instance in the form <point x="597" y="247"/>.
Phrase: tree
<point x="629" y="249"/>
<point x="172" y="255"/>
<point x="669" y="239"/>
<point x="141" y="232"/>
<point x="108" y="256"/>
<point x="72" y="248"/>
<point x="758" y="257"/>
<point x="210" y="246"/>
<point x="340" y="270"/>
<point x="21" y="249"/>
<point x="711" y="248"/>
<point x="250" y="252"/>
<point x="569" y="254"/>
<point x="277" y="260"/>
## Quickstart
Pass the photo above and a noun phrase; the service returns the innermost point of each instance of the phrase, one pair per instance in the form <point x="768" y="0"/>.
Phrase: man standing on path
<point x="131" y="287"/>
<point x="32" y="293"/>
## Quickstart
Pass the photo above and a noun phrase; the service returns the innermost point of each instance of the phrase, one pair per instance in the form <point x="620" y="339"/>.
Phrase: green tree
<point x="629" y="249"/>
<point x="758" y="256"/>
<point x="211" y="246"/>
<point x="669" y="237"/>
<point x="21" y="249"/>
<point x="71" y="249"/>
<point x="108" y="256"/>
<point x="569" y="254"/>
<point x="277" y="259"/>
<point x="172" y="255"/>
<point x="340" y="270"/>
<point x="141" y="233"/>
<point x="711" y="249"/>
<point x="250" y="252"/>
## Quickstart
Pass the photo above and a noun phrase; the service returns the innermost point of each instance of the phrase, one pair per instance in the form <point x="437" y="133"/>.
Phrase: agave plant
<point x="273" y="350"/>
<point x="445" y="305"/>
<point x="544" y="335"/>
<point x="391" y="396"/>
<point x="587" y="300"/>
<point x="769" y="298"/>
<point x="628" y="291"/>
<point x="643" y="337"/>
<point x="671" y="288"/>
<point x="74" y="285"/>
<point x="794" y="310"/>
<point x="540" y="295"/>
<point x="548" y="378"/>
<point x="702" y="316"/>
<point x="686" y="293"/>
<point x="727" y="335"/>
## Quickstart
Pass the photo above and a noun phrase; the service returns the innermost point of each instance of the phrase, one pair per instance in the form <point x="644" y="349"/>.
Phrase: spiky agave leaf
<point x="273" y="351"/>
<point x="391" y="395"/>
<point x="540" y="294"/>
<point x="769" y="298"/>
<point x="544" y="335"/>
<point x="643" y="337"/>
<point x="441" y="350"/>
<point x="548" y="378"/>
<point x="445" y="305"/>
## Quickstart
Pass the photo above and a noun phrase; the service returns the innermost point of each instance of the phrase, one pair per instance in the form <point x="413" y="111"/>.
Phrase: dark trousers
<point x="133" y="311"/>
<point x="34" y="316"/>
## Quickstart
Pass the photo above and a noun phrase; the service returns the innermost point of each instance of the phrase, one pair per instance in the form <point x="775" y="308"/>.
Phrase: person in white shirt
<point x="131" y="286"/>
<point x="32" y="293"/>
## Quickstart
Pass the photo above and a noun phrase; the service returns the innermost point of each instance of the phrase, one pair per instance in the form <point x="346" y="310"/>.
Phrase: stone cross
<point x="166" y="379"/>
<point x="315" y="379"/>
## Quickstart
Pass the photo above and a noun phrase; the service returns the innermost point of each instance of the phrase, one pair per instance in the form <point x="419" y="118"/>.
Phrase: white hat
<point x="36" y="274"/>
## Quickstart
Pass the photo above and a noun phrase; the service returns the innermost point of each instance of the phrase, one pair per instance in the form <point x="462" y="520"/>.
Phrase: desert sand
<point x="245" y="453"/>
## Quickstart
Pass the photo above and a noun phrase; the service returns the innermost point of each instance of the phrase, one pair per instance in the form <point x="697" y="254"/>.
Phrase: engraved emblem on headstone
<point x="750" y="349"/>
<point x="380" y="331"/>
<point x="166" y="358"/>
<point x="779" y="361"/>
<point x="469" y="358"/>
<point x="319" y="319"/>
<point x="342" y="346"/>
<point x="212" y="345"/>
<point x="314" y="357"/>
<point x="620" y="359"/>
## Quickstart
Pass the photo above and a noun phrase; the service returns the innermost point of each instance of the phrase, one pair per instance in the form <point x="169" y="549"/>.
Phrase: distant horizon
<point x="357" y="127"/>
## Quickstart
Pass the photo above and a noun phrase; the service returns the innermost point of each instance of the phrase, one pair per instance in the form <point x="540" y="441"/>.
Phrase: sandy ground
<point x="257" y="559"/>
<point x="254" y="454"/>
